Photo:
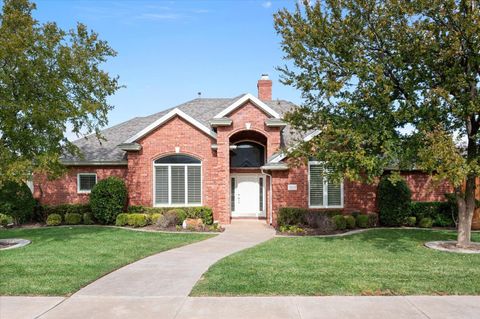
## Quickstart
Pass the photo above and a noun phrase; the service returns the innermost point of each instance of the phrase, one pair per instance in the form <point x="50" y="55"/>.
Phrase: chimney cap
<point x="264" y="77"/>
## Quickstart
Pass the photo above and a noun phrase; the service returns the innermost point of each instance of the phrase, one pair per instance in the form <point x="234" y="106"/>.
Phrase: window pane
<point x="334" y="194"/>
<point x="177" y="159"/>
<point x="161" y="185"/>
<point x="87" y="181"/>
<point x="178" y="184"/>
<point x="247" y="155"/>
<point x="194" y="184"/>
<point x="232" y="192"/>
<point x="316" y="185"/>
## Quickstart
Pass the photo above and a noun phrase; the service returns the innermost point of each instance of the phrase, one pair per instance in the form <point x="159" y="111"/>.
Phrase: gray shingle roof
<point x="201" y="109"/>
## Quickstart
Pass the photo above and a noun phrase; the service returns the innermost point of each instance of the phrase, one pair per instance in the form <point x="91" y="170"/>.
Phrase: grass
<point x="377" y="262"/>
<point x="61" y="260"/>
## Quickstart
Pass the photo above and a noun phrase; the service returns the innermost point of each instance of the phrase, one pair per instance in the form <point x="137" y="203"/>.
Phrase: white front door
<point x="248" y="195"/>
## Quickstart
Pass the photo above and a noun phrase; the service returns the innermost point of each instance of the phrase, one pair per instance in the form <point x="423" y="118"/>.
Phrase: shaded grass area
<point x="377" y="262"/>
<point x="59" y="261"/>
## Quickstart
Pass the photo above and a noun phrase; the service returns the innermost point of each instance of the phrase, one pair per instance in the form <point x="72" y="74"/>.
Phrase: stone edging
<point x="437" y="245"/>
<point x="19" y="242"/>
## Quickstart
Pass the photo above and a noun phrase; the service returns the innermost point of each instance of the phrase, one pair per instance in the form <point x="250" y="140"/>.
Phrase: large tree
<point x="50" y="81"/>
<point x="389" y="83"/>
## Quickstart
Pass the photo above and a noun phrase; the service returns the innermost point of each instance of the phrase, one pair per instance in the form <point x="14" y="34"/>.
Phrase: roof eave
<point x="95" y="163"/>
<point x="130" y="147"/>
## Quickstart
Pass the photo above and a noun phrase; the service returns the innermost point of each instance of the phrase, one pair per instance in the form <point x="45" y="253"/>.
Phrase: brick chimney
<point x="264" y="87"/>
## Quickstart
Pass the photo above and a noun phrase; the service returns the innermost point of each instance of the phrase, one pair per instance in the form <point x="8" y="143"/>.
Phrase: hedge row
<point x="325" y="221"/>
<point x="55" y="219"/>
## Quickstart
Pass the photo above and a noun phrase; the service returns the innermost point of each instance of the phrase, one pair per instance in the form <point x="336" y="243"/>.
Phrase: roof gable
<point x="245" y="98"/>
<point x="165" y="118"/>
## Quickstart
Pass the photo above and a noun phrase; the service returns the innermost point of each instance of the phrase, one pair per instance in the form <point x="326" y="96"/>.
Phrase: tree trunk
<point x="466" y="207"/>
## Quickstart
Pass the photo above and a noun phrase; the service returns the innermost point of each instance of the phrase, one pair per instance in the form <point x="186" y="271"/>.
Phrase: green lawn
<point x="387" y="262"/>
<point x="61" y="260"/>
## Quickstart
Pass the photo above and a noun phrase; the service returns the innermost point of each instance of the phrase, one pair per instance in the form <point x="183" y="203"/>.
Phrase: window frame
<point x="80" y="191"/>
<point x="325" y="190"/>
<point x="169" y="166"/>
<point x="247" y="141"/>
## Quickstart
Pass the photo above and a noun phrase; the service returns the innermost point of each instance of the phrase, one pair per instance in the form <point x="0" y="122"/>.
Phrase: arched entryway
<point x="247" y="182"/>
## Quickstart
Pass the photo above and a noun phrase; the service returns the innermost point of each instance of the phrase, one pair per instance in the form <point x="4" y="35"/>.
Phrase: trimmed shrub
<point x="291" y="216"/>
<point x="441" y="213"/>
<point x="137" y="220"/>
<point x="87" y="219"/>
<point x="122" y="219"/>
<point x="108" y="199"/>
<point x="393" y="201"/>
<point x="5" y="220"/>
<point x="64" y="209"/>
<point x="205" y="213"/>
<point x="168" y="219"/>
<point x="54" y="220"/>
<point x="154" y="218"/>
<point x="411" y="221"/>
<point x="350" y="221"/>
<point x="16" y="200"/>
<point x="362" y="221"/>
<point x="340" y="222"/>
<point x="319" y="220"/>
<point x="73" y="219"/>
<point x="138" y="209"/>
<point x="425" y="222"/>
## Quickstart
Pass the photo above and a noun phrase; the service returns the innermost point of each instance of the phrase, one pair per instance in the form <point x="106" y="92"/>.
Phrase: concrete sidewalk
<point x="84" y="307"/>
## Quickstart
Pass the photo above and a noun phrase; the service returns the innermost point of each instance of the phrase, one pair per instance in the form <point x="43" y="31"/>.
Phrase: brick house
<point x="225" y="153"/>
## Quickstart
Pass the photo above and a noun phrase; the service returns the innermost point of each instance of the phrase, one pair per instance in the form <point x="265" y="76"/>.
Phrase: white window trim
<point x="80" y="191"/>
<point x="170" y="186"/>
<point x="325" y="190"/>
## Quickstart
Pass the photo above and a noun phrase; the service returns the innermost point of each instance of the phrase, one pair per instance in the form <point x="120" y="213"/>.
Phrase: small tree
<point x="394" y="200"/>
<point x="388" y="83"/>
<point x="17" y="201"/>
<point x="108" y="199"/>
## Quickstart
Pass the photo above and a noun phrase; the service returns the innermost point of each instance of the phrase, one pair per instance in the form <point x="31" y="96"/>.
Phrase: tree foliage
<point x="108" y="199"/>
<point x="16" y="200"/>
<point x="50" y="80"/>
<point x="389" y="84"/>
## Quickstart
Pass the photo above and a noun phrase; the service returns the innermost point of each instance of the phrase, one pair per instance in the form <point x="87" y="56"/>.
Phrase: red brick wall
<point x="357" y="196"/>
<point x="64" y="189"/>
<point x="161" y="142"/>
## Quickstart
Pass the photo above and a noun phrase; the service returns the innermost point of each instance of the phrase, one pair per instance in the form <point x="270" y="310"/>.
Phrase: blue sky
<point x="170" y="50"/>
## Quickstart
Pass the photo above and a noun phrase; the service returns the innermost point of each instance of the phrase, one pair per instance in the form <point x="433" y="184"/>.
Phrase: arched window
<point x="247" y="154"/>
<point x="178" y="181"/>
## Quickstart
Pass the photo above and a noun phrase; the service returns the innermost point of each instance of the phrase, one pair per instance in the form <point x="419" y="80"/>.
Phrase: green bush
<point x="122" y="219"/>
<point x="16" y="200"/>
<point x="73" y="219"/>
<point x="64" y="209"/>
<point x="411" y="221"/>
<point x="5" y="220"/>
<point x="54" y="220"/>
<point x="441" y="213"/>
<point x="320" y="220"/>
<point x="108" y="199"/>
<point x="203" y="212"/>
<point x="154" y="218"/>
<point x="350" y="221"/>
<point x="340" y="222"/>
<point x="291" y="216"/>
<point x="138" y="220"/>
<point x="362" y="221"/>
<point x="425" y="222"/>
<point x="393" y="201"/>
<point x="87" y="219"/>
<point x="138" y="209"/>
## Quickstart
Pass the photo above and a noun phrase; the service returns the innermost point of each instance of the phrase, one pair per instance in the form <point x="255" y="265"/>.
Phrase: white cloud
<point x="267" y="4"/>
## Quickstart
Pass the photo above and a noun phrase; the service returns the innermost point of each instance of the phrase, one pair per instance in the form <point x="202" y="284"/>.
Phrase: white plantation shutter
<point x="178" y="184"/>
<point x="194" y="183"/>
<point x="323" y="194"/>
<point x="316" y="185"/>
<point x="334" y="194"/>
<point x="161" y="184"/>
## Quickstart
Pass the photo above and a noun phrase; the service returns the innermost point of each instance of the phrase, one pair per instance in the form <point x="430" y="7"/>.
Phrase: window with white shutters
<point x="177" y="181"/>
<point x="85" y="182"/>
<point x="323" y="193"/>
